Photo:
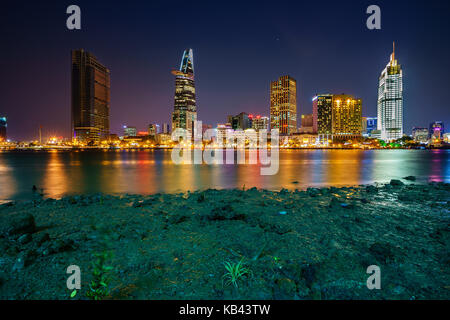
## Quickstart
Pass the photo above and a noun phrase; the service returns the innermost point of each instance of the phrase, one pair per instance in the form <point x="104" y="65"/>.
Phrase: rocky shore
<point x="313" y="244"/>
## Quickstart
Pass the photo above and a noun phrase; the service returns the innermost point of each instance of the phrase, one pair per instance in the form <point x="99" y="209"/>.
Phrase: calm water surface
<point x="146" y="172"/>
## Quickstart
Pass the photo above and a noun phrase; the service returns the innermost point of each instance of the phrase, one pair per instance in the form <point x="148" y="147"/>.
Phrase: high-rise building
<point x="346" y="117"/>
<point x="129" y="131"/>
<point x="371" y="125"/>
<point x="165" y="128"/>
<point x="337" y="115"/>
<point x="240" y="121"/>
<point x="390" y="100"/>
<point x="322" y="113"/>
<point x="364" y="126"/>
<point x="283" y="105"/>
<point x="185" y="108"/>
<point x="153" y="129"/>
<point x="260" y="123"/>
<point x="420" y="135"/>
<point x="3" y="126"/>
<point x="437" y="130"/>
<point x="307" y="124"/>
<point x="90" y="97"/>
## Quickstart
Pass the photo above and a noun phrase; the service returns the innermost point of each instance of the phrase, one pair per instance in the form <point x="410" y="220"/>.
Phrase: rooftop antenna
<point x="393" y="52"/>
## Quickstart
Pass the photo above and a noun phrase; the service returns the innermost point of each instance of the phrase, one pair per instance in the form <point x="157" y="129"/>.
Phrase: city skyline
<point x="232" y="77"/>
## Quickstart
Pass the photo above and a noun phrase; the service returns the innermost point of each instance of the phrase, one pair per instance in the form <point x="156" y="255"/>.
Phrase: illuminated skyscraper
<point x="165" y="128"/>
<point x="437" y="130"/>
<point x="283" y="105"/>
<point x="185" y="109"/>
<point x="322" y="113"/>
<point x="3" y="125"/>
<point x="346" y="117"/>
<point x="390" y="101"/>
<point x="90" y="97"/>
<point x="337" y="115"/>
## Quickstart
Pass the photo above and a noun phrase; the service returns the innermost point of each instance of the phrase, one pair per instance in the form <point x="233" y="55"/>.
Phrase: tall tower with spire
<point x="185" y="110"/>
<point x="390" y="100"/>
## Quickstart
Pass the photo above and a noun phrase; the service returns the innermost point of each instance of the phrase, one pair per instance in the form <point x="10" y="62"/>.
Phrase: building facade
<point x="339" y="116"/>
<point x="185" y="109"/>
<point x="371" y="125"/>
<point x="129" y="131"/>
<point x="307" y="124"/>
<point x="260" y="123"/>
<point x="3" y="126"/>
<point x="322" y="114"/>
<point x="346" y="117"/>
<point x="283" y="105"/>
<point x="240" y="121"/>
<point x="420" y="135"/>
<point x="437" y="130"/>
<point x="165" y="128"/>
<point x="153" y="129"/>
<point x="390" y="101"/>
<point x="90" y="97"/>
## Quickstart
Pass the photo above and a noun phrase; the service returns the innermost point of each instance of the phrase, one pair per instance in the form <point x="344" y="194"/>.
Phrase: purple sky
<point x="238" y="49"/>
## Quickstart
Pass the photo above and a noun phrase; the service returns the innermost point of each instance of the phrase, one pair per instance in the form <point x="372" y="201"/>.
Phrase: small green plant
<point x="73" y="294"/>
<point x="235" y="271"/>
<point x="99" y="286"/>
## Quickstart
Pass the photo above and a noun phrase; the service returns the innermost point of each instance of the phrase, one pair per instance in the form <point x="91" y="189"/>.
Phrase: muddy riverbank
<point x="314" y="244"/>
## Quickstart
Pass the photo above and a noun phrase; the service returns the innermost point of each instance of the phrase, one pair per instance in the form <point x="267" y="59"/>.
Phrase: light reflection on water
<point x="146" y="172"/>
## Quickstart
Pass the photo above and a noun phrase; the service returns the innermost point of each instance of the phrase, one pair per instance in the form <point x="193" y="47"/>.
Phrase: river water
<point x="60" y="173"/>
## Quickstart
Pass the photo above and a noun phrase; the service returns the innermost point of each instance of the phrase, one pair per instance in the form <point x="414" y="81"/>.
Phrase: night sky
<point x="239" y="47"/>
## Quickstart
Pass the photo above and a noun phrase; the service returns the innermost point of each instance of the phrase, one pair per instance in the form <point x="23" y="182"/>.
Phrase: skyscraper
<point x="337" y="115"/>
<point x="371" y="124"/>
<point x="165" y="128"/>
<point x="346" y="117"/>
<point x="390" y="100"/>
<point x="185" y="109"/>
<point x="322" y="113"/>
<point x="283" y="105"/>
<point x="3" y="125"/>
<point x="90" y="97"/>
<point x="437" y="130"/>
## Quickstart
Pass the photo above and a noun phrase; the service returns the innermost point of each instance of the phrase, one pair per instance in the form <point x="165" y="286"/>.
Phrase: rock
<point x="24" y="259"/>
<point x="177" y="218"/>
<point x="285" y="289"/>
<point x="396" y="183"/>
<point x="336" y="203"/>
<point x="347" y="205"/>
<point x="42" y="237"/>
<point x="8" y="204"/>
<point x="410" y="178"/>
<point x="61" y="246"/>
<point x="49" y="201"/>
<point x="381" y="252"/>
<point x="16" y="224"/>
<point x="25" y="238"/>
<point x="225" y="213"/>
<point x="201" y="198"/>
<point x="309" y="274"/>
<point x="313" y="192"/>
